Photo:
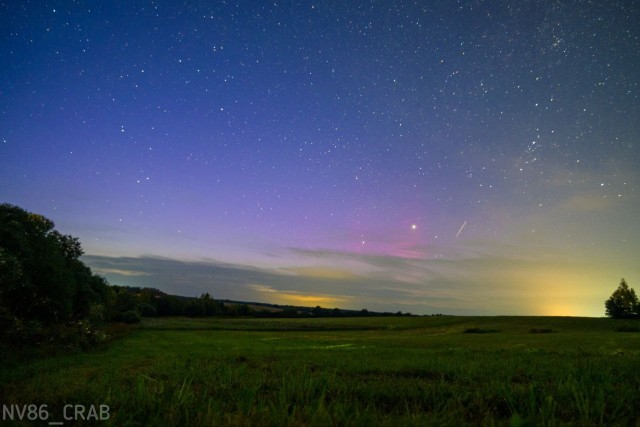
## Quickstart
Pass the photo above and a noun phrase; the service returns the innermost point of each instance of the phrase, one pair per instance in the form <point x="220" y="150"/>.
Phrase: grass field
<point x="349" y="371"/>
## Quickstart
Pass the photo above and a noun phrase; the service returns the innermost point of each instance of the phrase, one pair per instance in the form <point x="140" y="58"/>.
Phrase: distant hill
<point x="152" y="302"/>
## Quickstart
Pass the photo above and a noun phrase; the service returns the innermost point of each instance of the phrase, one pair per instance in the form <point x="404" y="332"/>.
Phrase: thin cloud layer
<point x="474" y="282"/>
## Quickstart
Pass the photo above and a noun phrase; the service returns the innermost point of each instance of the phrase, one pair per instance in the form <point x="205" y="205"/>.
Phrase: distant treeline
<point x="150" y="302"/>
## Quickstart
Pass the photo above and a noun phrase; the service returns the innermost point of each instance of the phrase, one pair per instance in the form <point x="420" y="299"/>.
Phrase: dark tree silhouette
<point x="42" y="280"/>
<point x="623" y="303"/>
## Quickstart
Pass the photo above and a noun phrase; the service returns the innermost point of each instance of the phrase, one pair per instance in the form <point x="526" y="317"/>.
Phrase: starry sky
<point x="459" y="157"/>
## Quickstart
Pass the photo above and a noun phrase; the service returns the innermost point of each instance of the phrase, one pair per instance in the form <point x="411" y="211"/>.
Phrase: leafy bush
<point x="78" y="335"/>
<point x="131" y="316"/>
<point x="195" y="309"/>
<point x="147" y="310"/>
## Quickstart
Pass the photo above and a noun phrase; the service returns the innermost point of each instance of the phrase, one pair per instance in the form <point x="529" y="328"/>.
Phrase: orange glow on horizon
<point x="295" y="298"/>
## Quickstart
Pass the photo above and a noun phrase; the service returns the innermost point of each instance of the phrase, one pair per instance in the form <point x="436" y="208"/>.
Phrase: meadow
<point x="387" y="371"/>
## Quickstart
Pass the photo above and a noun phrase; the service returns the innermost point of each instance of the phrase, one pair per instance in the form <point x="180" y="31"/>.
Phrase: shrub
<point x="131" y="316"/>
<point x="147" y="310"/>
<point x="479" y="331"/>
<point x="195" y="309"/>
<point x="628" y="329"/>
<point x="76" y="335"/>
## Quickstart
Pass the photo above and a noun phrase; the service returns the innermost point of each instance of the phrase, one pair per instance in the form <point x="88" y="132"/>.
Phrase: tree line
<point x="133" y="303"/>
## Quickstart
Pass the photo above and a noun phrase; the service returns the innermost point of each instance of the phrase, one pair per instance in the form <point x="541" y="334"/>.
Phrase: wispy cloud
<point x="323" y="273"/>
<point x="104" y="271"/>
<point x="479" y="278"/>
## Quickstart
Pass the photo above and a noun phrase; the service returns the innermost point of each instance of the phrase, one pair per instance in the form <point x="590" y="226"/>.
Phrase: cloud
<point x="323" y="272"/>
<point x="480" y="277"/>
<point x="484" y="277"/>
<point x="287" y="285"/>
<point x="104" y="271"/>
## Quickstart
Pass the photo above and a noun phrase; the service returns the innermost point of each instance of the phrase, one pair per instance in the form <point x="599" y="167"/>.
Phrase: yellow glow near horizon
<point x="310" y="299"/>
<point x="295" y="298"/>
<point x="558" y="310"/>
<point x="566" y="292"/>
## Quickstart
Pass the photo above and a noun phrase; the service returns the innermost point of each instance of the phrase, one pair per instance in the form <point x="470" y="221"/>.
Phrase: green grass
<point x="348" y="371"/>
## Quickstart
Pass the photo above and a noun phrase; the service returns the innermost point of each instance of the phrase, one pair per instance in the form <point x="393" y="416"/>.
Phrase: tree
<point x="211" y="306"/>
<point x="69" y="245"/>
<point x="623" y="303"/>
<point x="194" y="308"/>
<point x="42" y="280"/>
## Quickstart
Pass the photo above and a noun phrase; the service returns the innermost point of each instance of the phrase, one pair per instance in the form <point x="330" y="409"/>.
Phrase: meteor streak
<point x="461" y="227"/>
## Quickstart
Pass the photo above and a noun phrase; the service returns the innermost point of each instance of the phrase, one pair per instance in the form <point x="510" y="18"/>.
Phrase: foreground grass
<point x="359" y="371"/>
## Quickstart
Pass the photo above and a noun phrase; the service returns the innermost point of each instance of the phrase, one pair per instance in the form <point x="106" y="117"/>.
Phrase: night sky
<point x="470" y="157"/>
